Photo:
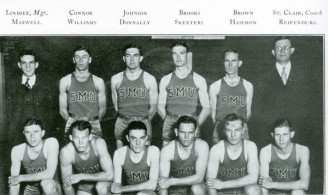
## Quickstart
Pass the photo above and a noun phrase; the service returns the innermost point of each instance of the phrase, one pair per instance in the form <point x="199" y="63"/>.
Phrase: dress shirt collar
<point x="280" y="68"/>
<point x="31" y="82"/>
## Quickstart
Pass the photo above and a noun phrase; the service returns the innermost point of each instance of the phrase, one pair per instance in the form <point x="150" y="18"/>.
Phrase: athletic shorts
<point x="89" y="187"/>
<point x="33" y="189"/>
<point x="96" y="129"/>
<point x="281" y="192"/>
<point x="121" y="124"/>
<point x="231" y="191"/>
<point x="218" y="133"/>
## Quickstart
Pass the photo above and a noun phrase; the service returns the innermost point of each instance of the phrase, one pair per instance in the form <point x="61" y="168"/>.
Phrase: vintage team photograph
<point x="162" y="114"/>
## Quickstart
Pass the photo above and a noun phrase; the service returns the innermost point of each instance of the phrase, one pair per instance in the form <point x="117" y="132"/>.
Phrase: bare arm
<point x="101" y="97"/>
<point x="162" y="96"/>
<point x="252" y="169"/>
<point x="249" y="97"/>
<point x="213" y="165"/>
<point x="52" y="150"/>
<point x="213" y="92"/>
<point x="15" y="169"/>
<point x="114" y="83"/>
<point x="202" y="151"/>
<point x="164" y="168"/>
<point x="63" y="97"/>
<point x="153" y="95"/>
<point x="304" y="171"/>
<point x="66" y="168"/>
<point x="265" y="158"/>
<point x="153" y="174"/>
<point x="203" y="98"/>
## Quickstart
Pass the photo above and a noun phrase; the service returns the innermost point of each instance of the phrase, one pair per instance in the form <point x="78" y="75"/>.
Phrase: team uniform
<point x="182" y="168"/>
<point x="230" y="99"/>
<point x="83" y="103"/>
<point x="135" y="173"/>
<point x="89" y="166"/>
<point x="283" y="170"/>
<point x="34" y="166"/>
<point x="232" y="169"/>
<point x="133" y="104"/>
<point x="182" y="98"/>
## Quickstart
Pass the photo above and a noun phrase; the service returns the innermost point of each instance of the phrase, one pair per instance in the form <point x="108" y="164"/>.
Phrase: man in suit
<point x="282" y="91"/>
<point x="29" y="95"/>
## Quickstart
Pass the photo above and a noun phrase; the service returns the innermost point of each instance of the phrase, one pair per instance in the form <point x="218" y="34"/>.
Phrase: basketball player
<point x="85" y="162"/>
<point x="233" y="166"/>
<point x="134" y="94"/>
<point x="183" y="161"/>
<point x="82" y="95"/>
<point x="179" y="93"/>
<point x="39" y="158"/>
<point x="136" y="166"/>
<point x="285" y="165"/>
<point x="231" y="94"/>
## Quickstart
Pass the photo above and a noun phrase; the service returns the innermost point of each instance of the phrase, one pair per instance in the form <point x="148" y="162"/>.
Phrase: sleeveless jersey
<point x="91" y="165"/>
<point x="133" y="97"/>
<point x="284" y="170"/>
<point x="231" y="100"/>
<point x="83" y="98"/>
<point x="135" y="173"/>
<point x="183" y="168"/>
<point x="182" y="95"/>
<point x="232" y="169"/>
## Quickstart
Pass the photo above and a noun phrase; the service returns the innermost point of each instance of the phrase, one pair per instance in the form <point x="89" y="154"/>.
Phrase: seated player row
<point x="232" y="164"/>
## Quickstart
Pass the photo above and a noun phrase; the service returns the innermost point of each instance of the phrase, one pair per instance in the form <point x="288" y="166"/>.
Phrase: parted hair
<point x="80" y="125"/>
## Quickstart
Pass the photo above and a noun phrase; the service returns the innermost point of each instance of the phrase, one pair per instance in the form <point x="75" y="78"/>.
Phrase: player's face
<point x="233" y="130"/>
<point x="132" y="58"/>
<point x="28" y="65"/>
<point x="282" y="137"/>
<point x="231" y="63"/>
<point x="137" y="139"/>
<point x="179" y="54"/>
<point x="33" y="135"/>
<point x="82" y="60"/>
<point x="80" y="139"/>
<point x="283" y="51"/>
<point x="186" y="134"/>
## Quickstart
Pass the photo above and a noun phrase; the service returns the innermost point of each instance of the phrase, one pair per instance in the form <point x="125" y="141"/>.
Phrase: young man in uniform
<point x="179" y="93"/>
<point x="183" y="161"/>
<point x="85" y="162"/>
<point x="39" y="158"/>
<point x="231" y="94"/>
<point x="134" y="94"/>
<point x="82" y="95"/>
<point x="285" y="165"/>
<point x="233" y="165"/>
<point x="136" y="166"/>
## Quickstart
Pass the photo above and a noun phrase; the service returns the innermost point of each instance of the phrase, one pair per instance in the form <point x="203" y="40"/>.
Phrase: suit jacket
<point x="23" y="103"/>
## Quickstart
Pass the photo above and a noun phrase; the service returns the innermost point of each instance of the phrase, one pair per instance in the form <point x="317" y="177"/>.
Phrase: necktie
<point x="284" y="75"/>
<point x="27" y="84"/>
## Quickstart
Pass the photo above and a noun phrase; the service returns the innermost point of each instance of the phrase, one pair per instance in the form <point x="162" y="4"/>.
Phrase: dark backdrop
<point x="55" y="54"/>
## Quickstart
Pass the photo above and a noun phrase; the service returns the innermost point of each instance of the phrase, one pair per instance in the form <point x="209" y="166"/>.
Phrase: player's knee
<point x="102" y="188"/>
<point x="48" y="186"/>
<point x="252" y="189"/>
<point x="146" y="192"/>
<point x="197" y="189"/>
<point x="298" y="192"/>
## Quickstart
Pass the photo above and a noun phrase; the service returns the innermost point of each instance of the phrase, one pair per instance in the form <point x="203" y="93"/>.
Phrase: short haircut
<point x="180" y="43"/>
<point x="229" y="50"/>
<point x="282" y="38"/>
<point x="80" y="125"/>
<point x="26" y="52"/>
<point x="135" y="125"/>
<point x="33" y="121"/>
<point x="133" y="45"/>
<point x="82" y="48"/>
<point x="186" y="119"/>
<point x="233" y="117"/>
<point x="282" y="123"/>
